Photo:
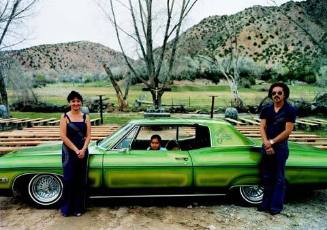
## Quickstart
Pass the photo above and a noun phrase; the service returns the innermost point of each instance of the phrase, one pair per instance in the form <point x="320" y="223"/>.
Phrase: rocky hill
<point x="74" y="58"/>
<point x="292" y="35"/>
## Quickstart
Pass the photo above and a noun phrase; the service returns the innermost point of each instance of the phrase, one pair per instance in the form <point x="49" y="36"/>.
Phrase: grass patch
<point x="190" y="95"/>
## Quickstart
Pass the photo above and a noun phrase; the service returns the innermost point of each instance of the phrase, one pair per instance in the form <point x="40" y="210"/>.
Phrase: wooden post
<point x="101" y="109"/>
<point x="212" y="105"/>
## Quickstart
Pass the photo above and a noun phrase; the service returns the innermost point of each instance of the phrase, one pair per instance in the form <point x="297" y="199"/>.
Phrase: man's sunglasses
<point x="277" y="92"/>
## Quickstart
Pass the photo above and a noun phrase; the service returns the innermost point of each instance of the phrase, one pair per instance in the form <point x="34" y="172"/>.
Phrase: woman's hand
<point x="81" y="154"/>
<point x="267" y="144"/>
<point x="270" y="151"/>
<point x="76" y="150"/>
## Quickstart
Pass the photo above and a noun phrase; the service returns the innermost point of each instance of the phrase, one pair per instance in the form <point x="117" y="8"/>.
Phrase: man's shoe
<point x="77" y="214"/>
<point x="274" y="212"/>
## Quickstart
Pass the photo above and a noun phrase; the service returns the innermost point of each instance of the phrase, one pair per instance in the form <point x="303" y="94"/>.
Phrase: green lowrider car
<point x="213" y="159"/>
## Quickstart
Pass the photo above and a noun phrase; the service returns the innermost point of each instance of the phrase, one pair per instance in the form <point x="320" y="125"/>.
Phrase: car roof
<point x="179" y="121"/>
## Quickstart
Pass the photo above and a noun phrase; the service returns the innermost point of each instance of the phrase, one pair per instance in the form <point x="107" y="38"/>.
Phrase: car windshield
<point x="107" y="141"/>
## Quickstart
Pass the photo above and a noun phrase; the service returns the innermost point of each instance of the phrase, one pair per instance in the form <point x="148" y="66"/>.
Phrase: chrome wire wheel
<point x="45" y="189"/>
<point x="252" y="194"/>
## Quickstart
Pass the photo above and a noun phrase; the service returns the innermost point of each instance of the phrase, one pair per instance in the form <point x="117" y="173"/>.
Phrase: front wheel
<point x="45" y="189"/>
<point x="251" y="194"/>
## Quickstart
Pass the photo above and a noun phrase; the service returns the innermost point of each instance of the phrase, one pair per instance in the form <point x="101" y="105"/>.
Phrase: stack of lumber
<point x="297" y="136"/>
<point x="32" y="136"/>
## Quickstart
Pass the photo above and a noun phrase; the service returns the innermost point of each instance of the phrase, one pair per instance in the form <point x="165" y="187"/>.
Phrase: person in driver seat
<point x="155" y="143"/>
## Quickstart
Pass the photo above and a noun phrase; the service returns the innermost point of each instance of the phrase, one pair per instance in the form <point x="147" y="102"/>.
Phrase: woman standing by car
<point x="75" y="132"/>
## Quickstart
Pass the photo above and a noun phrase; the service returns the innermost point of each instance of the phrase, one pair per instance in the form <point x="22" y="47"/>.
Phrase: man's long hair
<point x="282" y="85"/>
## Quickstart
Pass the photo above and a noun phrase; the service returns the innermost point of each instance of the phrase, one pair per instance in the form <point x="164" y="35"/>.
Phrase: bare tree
<point x="121" y="97"/>
<point x="229" y="66"/>
<point x="12" y="13"/>
<point x="142" y="17"/>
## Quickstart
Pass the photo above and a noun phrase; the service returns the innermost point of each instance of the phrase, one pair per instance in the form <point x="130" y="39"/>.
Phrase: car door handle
<point x="181" y="158"/>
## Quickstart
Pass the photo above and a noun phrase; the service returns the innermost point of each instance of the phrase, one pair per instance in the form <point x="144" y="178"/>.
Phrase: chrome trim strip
<point x="238" y="186"/>
<point x="161" y="195"/>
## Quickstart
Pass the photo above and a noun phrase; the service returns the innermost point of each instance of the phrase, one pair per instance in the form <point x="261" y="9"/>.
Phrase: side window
<point x="186" y="132"/>
<point x="193" y="137"/>
<point x="126" y="141"/>
<point x="142" y="140"/>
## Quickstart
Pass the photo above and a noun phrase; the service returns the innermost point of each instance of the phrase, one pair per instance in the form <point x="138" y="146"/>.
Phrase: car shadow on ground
<point x="182" y="202"/>
<point x="303" y="196"/>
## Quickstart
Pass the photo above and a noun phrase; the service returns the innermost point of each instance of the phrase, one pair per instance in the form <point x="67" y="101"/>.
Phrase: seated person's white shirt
<point x="161" y="149"/>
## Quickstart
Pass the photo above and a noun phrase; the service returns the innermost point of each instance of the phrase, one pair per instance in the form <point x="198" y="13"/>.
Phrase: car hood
<point x="50" y="148"/>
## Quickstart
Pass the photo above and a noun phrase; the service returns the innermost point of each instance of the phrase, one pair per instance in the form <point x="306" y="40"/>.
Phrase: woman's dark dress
<point x="75" y="170"/>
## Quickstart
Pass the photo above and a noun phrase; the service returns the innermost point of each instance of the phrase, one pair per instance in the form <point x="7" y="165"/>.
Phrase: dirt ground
<point x="302" y="211"/>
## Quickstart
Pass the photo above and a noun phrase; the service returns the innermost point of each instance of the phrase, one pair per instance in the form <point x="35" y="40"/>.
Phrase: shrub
<point x="321" y="103"/>
<point x="321" y="76"/>
<point x="231" y="112"/>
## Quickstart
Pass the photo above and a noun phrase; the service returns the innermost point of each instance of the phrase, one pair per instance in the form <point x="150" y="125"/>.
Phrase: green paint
<point x="232" y="160"/>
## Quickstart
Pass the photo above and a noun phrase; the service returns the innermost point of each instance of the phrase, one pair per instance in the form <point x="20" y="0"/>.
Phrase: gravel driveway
<point x="302" y="211"/>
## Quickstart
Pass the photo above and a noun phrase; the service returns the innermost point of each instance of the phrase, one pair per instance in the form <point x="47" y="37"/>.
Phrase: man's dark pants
<point x="273" y="178"/>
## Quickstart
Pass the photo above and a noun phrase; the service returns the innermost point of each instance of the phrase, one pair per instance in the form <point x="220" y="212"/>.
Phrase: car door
<point x="134" y="167"/>
<point x="226" y="161"/>
<point x="95" y="167"/>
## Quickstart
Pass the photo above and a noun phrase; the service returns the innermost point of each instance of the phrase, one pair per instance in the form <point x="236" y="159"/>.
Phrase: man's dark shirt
<point x="276" y="122"/>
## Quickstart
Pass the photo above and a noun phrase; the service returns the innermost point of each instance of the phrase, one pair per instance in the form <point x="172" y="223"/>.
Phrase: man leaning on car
<point x="277" y="123"/>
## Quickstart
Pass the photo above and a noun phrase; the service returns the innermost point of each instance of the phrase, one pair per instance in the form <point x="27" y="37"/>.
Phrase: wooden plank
<point x="323" y="147"/>
<point x="306" y="125"/>
<point x="95" y="121"/>
<point x="309" y="121"/>
<point x="319" y="120"/>
<point x="311" y="139"/>
<point x="297" y="137"/>
<point x="8" y="149"/>
<point x="258" y="131"/>
<point x="257" y="119"/>
<point x="34" y="119"/>
<point x="20" y="143"/>
<point x="249" y="121"/>
<point x="18" y="139"/>
<point x="314" y="143"/>
<point x="43" y="121"/>
<point x="234" y="122"/>
<point x="56" y="122"/>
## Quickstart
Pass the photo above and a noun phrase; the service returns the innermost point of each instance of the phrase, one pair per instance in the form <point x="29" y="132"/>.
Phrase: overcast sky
<point x="56" y="21"/>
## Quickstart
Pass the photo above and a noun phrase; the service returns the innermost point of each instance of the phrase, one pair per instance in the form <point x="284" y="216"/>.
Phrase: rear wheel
<point x="45" y="189"/>
<point x="251" y="194"/>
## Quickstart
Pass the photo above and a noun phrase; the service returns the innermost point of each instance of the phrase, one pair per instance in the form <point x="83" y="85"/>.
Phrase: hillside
<point x="291" y="38"/>
<point x="292" y="35"/>
<point x="67" y="58"/>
